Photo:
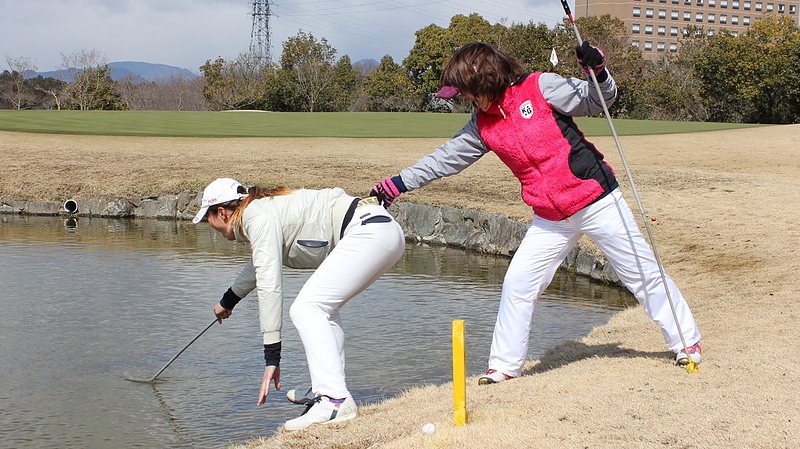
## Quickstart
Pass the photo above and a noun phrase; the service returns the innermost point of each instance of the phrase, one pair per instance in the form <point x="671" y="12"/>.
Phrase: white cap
<point x="220" y="191"/>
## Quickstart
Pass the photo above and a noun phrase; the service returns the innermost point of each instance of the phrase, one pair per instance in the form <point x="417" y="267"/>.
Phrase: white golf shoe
<point x="322" y="410"/>
<point x="298" y="397"/>
<point x="694" y="351"/>
<point x="492" y="377"/>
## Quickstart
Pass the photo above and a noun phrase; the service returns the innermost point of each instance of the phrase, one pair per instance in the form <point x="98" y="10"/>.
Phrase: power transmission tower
<point x="260" y="47"/>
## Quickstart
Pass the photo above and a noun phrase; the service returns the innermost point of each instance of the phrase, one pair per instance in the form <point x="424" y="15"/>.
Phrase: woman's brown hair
<point x="238" y="206"/>
<point x="480" y="69"/>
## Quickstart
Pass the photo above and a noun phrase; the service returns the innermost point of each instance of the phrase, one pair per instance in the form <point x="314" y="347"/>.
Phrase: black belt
<point x="358" y="203"/>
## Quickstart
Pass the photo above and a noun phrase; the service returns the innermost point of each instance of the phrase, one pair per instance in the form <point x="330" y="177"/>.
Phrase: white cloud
<point x="186" y="33"/>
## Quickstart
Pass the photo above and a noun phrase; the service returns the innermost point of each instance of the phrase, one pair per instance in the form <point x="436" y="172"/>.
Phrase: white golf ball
<point x="428" y="428"/>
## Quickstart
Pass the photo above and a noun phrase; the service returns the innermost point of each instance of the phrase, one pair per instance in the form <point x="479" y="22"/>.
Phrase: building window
<point x="673" y="47"/>
<point x="746" y="21"/>
<point x="735" y="4"/>
<point x="662" y="30"/>
<point x="648" y="29"/>
<point x="735" y="33"/>
<point x="698" y="17"/>
<point x="687" y="2"/>
<point x="723" y="3"/>
<point x="759" y="6"/>
<point x="770" y="7"/>
<point x="649" y="13"/>
<point x="660" y="46"/>
<point x="723" y="18"/>
<point x="792" y="9"/>
<point x="673" y="31"/>
<point x="635" y="44"/>
<point x="712" y="3"/>
<point x="747" y="6"/>
<point x="734" y="20"/>
<point x="648" y="46"/>
<point x="674" y="15"/>
<point x="711" y="18"/>
<point x="662" y="13"/>
<point x="676" y="2"/>
<point x="637" y="11"/>
<point x="687" y="16"/>
<point x="782" y="9"/>
<point x="699" y="2"/>
<point x="710" y="32"/>
<point x="635" y="28"/>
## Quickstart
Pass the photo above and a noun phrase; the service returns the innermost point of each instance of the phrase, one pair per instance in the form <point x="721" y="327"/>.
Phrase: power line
<point x="320" y="17"/>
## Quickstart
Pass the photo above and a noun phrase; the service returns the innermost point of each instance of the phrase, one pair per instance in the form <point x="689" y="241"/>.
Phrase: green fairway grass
<point x="295" y="124"/>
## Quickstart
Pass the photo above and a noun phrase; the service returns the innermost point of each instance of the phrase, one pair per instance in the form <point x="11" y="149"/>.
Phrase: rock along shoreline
<point x="460" y="228"/>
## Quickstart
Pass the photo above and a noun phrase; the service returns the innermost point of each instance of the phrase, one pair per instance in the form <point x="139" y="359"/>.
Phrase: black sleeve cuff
<point x="229" y="300"/>
<point x="272" y="354"/>
<point x="602" y="76"/>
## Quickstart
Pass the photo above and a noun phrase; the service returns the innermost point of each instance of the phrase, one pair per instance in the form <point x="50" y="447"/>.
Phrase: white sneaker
<point x="694" y="351"/>
<point x="492" y="377"/>
<point x="321" y="410"/>
<point x="298" y="397"/>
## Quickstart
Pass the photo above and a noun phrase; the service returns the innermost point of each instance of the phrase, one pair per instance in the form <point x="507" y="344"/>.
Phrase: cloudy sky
<point x="186" y="33"/>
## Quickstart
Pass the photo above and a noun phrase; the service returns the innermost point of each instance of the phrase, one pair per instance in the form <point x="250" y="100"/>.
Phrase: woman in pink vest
<point x="526" y="119"/>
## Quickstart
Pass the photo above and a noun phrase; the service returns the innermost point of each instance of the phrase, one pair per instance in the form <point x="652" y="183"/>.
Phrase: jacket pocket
<point x="312" y="243"/>
<point x="306" y="253"/>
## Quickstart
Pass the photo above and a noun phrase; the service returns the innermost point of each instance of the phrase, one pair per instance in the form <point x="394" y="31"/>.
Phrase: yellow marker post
<point x="459" y="375"/>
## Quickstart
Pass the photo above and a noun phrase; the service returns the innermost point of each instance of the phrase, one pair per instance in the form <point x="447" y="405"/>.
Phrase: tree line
<point x="752" y="78"/>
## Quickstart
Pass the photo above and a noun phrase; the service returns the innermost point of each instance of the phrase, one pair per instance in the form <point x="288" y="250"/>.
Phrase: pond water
<point x="91" y="302"/>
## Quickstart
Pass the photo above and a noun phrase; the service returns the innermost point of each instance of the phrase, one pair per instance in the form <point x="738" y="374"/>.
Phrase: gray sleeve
<point x="454" y="156"/>
<point x="574" y="97"/>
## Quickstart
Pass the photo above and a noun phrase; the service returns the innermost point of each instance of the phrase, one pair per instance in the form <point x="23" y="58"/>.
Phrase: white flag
<point x="553" y="58"/>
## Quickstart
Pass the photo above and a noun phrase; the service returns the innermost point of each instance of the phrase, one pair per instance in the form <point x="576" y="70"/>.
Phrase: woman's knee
<point x="301" y="309"/>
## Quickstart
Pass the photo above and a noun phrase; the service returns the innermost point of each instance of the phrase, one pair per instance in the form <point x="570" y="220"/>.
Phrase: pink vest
<point x="519" y="127"/>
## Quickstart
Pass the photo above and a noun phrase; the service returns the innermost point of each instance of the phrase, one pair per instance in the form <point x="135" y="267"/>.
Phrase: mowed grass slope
<point x="296" y="124"/>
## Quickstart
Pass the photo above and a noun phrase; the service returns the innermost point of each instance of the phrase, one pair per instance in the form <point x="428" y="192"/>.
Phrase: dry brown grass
<point x="727" y="226"/>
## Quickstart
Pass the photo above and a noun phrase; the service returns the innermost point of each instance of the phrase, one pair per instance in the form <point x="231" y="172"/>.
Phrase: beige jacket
<point x="297" y="230"/>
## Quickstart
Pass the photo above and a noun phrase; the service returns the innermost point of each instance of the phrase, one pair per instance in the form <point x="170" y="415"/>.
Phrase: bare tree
<point x="238" y="84"/>
<point x="178" y="93"/>
<point x="55" y="94"/>
<point x="21" y="68"/>
<point x="92" y="86"/>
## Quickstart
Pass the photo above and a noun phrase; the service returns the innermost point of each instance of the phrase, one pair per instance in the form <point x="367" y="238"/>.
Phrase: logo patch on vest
<point x="526" y="109"/>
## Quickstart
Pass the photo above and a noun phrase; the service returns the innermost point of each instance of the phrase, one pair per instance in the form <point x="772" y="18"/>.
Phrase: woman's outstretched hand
<point x="222" y="313"/>
<point x="271" y="373"/>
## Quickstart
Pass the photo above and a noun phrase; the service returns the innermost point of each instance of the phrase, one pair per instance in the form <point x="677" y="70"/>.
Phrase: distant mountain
<point x="144" y="70"/>
<point x="366" y="65"/>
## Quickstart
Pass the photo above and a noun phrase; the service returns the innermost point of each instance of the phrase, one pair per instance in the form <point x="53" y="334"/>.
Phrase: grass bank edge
<point x="229" y="124"/>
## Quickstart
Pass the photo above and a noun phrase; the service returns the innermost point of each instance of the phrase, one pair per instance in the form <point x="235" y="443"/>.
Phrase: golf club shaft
<point x="630" y="179"/>
<point x="181" y="351"/>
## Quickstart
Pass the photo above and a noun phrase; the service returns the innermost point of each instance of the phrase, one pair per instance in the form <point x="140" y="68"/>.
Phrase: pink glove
<point x="589" y="56"/>
<point x="386" y="192"/>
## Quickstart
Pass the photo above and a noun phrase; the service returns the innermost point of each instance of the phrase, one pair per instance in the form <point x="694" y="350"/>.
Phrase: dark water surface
<point x="88" y="303"/>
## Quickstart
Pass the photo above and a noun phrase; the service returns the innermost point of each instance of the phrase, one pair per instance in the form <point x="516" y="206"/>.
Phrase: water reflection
<point x="93" y="301"/>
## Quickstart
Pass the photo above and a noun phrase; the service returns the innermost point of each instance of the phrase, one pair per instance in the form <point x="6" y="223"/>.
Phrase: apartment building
<point x="655" y="25"/>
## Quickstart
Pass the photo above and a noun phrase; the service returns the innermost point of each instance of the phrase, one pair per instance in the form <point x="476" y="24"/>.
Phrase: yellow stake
<point x="459" y="375"/>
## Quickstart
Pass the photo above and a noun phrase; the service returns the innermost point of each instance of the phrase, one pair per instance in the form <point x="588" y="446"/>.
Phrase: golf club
<point x="152" y="379"/>
<point x="691" y="366"/>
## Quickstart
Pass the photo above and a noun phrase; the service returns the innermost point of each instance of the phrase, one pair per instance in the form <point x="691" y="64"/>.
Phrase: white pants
<point x="610" y="224"/>
<point x="364" y="253"/>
